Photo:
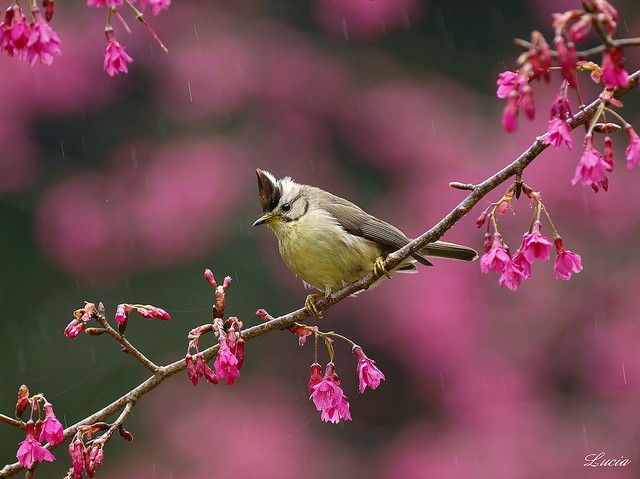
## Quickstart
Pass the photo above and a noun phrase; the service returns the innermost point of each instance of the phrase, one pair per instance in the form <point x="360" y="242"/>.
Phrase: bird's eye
<point x="286" y="207"/>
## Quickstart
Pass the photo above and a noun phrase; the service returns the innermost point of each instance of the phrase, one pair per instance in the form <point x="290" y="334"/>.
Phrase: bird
<point x="329" y="242"/>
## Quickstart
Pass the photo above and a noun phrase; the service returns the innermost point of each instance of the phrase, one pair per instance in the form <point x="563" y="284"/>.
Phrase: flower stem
<point x="126" y="345"/>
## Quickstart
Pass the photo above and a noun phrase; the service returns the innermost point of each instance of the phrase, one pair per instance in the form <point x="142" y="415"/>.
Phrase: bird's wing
<point x="360" y="223"/>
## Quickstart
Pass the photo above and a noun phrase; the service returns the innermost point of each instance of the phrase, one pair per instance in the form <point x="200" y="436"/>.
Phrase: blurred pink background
<point x="126" y="188"/>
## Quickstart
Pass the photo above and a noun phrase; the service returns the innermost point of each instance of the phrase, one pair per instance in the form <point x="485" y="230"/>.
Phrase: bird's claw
<point x="310" y="305"/>
<point x="379" y="269"/>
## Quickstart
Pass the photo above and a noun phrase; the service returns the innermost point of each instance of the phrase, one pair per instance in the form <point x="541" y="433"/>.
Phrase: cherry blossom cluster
<point x="513" y="269"/>
<point x="86" y="453"/>
<point x="45" y="428"/>
<point x="31" y="38"/>
<point x="147" y="311"/>
<point x="83" y="315"/>
<point x="230" y="358"/>
<point x="324" y="389"/>
<point x="116" y="59"/>
<point x="596" y="18"/>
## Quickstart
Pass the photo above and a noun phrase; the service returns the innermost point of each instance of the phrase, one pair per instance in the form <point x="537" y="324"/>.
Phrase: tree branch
<point x="478" y="192"/>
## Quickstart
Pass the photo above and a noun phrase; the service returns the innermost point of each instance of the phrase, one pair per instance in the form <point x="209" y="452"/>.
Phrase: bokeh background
<point x="124" y="189"/>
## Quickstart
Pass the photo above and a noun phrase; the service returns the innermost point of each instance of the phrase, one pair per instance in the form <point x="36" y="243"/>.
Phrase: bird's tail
<point x="442" y="249"/>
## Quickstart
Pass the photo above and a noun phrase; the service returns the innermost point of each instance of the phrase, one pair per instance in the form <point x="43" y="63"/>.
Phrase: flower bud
<point x="23" y="401"/>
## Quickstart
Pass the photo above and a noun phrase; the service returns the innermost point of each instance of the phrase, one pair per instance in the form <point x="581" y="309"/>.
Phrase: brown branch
<point x="13" y="422"/>
<point x="283" y="322"/>
<point x="126" y="345"/>
<point x="621" y="43"/>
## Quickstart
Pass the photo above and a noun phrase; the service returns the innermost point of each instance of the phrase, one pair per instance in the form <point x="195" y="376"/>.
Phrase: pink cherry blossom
<point x="74" y="328"/>
<point x="315" y="377"/>
<point x="156" y="5"/>
<point x="115" y="58"/>
<point x="76" y="453"/>
<point x="329" y="398"/>
<point x="507" y="82"/>
<point x="567" y="57"/>
<point x="522" y="264"/>
<point x="496" y="258"/>
<point x="368" y="373"/>
<point x="539" y="56"/>
<point x="14" y="33"/>
<point x="535" y="247"/>
<point x="511" y="276"/>
<point x="43" y="41"/>
<point x="31" y="451"/>
<point x="335" y="413"/>
<point x="158" y="312"/>
<point x="204" y="370"/>
<point x="633" y="150"/>
<point x="561" y="107"/>
<point x="613" y="71"/>
<point x="52" y="430"/>
<point x="122" y="313"/>
<point x="226" y="364"/>
<point x="144" y="312"/>
<point x="607" y="156"/>
<point x="607" y="14"/>
<point x="592" y="169"/>
<point x="579" y="30"/>
<point x="208" y="275"/>
<point x="510" y="113"/>
<point x="105" y="3"/>
<point x="558" y="134"/>
<point x="526" y="100"/>
<point x="192" y="372"/>
<point x="567" y="262"/>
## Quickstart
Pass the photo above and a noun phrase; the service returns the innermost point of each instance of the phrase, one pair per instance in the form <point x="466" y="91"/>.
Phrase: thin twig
<point x="13" y="422"/>
<point x="621" y="43"/>
<point x="128" y="347"/>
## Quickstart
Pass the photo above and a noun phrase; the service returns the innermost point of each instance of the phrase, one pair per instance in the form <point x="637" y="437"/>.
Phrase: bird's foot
<point x="379" y="269"/>
<point x="310" y="305"/>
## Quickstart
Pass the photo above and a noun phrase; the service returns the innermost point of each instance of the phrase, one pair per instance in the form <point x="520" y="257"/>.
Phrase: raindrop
<point x="83" y="114"/>
<point x="195" y="31"/>
<point x="455" y="458"/>
<point x="62" y="149"/>
<point x="405" y="19"/>
<point x="441" y="380"/>
<point x="433" y="125"/>
<point x="584" y="434"/>
<point x="624" y="374"/>
<point x="148" y="184"/>
<point x="83" y="140"/>
<point x="190" y="93"/>
<point x="345" y="30"/>
<point x="134" y="156"/>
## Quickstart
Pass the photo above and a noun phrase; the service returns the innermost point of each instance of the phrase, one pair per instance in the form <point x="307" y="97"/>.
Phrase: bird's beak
<point x="262" y="220"/>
